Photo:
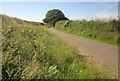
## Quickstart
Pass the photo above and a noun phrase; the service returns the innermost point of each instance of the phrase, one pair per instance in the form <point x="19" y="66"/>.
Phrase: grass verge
<point x="105" y="31"/>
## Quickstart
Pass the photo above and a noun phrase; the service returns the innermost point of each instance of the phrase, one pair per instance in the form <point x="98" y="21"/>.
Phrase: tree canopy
<point x="53" y="16"/>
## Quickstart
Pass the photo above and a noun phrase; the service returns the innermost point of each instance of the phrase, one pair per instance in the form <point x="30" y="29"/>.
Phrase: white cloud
<point x="108" y="12"/>
<point x="1" y="8"/>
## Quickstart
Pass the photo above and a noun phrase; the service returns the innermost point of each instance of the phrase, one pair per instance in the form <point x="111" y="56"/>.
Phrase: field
<point x="101" y="30"/>
<point x="31" y="52"/>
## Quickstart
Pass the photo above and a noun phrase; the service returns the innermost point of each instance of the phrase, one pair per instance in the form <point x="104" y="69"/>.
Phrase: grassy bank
<point x="105" y="31"/>
<point x="30" y="52"/>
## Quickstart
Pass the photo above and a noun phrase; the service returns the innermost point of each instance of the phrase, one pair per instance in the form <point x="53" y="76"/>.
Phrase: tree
<point x="53" y="16"/>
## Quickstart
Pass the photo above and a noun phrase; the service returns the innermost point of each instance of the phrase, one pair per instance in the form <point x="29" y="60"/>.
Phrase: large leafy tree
<point x="53" y="16"/>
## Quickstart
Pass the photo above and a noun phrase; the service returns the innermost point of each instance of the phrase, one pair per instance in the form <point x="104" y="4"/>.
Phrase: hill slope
<point x="30" y="52"/>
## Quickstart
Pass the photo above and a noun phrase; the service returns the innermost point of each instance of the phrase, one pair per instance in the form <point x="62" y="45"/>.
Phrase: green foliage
<point x="53" y="16"/>
<point x="105" y="31"/>
<point x="30" y="52"/>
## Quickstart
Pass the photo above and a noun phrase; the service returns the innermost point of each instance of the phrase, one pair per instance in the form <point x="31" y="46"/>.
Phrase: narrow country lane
<point x="105" y="55"/>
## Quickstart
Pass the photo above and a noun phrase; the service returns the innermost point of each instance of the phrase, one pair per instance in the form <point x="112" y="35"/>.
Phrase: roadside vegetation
<point x="30" y="52"/>
<point x="101" y="30"/>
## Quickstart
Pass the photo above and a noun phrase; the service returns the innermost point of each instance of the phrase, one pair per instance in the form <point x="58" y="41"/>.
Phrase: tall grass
<point x="30" y="52"/>
<point x="105" y="31"/>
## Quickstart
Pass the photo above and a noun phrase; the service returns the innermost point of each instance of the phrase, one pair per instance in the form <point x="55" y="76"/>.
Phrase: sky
<point x="59" y="1"/>
<point x="35" y="11"/>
